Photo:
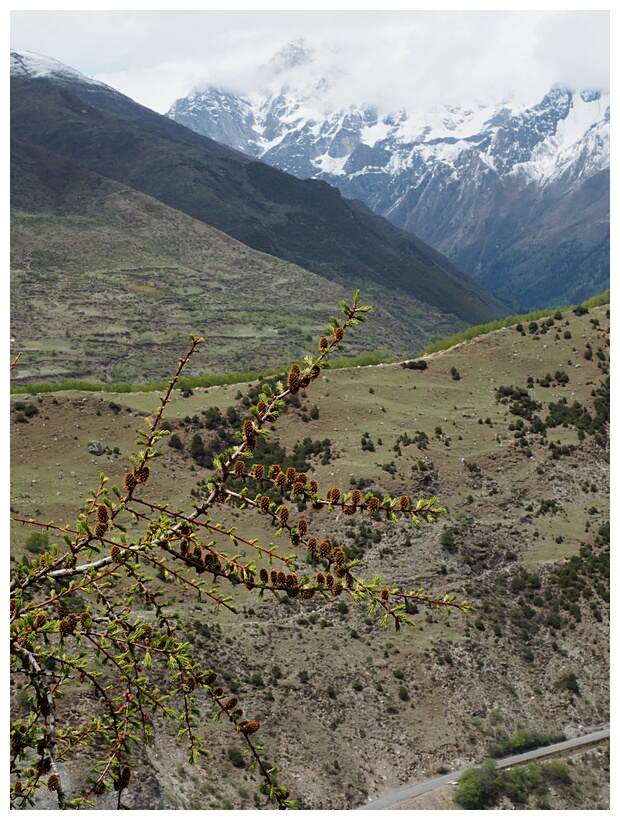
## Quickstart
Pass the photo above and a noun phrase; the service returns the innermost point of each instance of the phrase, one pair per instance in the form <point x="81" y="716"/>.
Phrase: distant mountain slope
<point x="106" y="281"/>
<point x="305" y="222"/>
<point x="499" y="189"/>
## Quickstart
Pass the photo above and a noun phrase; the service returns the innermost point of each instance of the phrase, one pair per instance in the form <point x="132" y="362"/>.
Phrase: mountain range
<point x="73" y="136"/>
<point x="517" y="195"/>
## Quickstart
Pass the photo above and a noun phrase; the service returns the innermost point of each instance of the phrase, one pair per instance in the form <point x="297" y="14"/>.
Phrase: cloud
<point x="418" y="60"/>
<point x="576" y="47"/>
<point x="410" y="59"/>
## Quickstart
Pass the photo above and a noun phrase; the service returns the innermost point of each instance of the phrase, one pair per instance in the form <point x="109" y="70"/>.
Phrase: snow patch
<point x="330" y="165"/>
<point x="371" y="134"/>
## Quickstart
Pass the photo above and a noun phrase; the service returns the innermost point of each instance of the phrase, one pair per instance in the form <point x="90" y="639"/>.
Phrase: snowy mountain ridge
<point x="64" y="129"/>
<point x="270" y="125"/>
<point x="479" y="182"/>
<point x="30" y="65"/>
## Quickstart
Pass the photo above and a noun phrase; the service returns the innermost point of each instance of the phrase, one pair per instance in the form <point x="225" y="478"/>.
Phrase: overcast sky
<point x="408" y="59"/>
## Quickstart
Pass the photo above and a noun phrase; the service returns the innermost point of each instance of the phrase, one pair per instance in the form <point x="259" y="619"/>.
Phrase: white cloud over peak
<point x="411" y="59"/>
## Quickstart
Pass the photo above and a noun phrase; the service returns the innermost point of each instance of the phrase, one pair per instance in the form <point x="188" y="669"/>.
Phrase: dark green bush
<point x="415" y="364"/>
<point x="569" y="683"/>
<point x="236" y="757"/>
<point x="175" y="442"/>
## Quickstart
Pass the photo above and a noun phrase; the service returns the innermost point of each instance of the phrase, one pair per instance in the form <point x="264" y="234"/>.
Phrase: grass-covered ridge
<point x="480" y="330"/>
<point x="362" y="360"/>
<point x="189" y="383"/>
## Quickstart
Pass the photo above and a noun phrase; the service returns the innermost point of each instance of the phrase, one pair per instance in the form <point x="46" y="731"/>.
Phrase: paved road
<point x="429" y="785"/>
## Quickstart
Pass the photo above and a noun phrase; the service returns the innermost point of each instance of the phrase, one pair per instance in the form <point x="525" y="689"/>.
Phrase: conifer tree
<point x="74" y="631"/>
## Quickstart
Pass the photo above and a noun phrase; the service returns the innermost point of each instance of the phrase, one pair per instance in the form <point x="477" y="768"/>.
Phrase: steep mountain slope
<point x="106" y="281"/>
<point x="499" y="188"/>
<point x="350" y="711"/>
<point x="305" y="222"/>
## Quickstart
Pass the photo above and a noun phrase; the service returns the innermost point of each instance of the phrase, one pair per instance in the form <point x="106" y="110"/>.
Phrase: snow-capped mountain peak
<point x="449" y="174"/>
<point x="292" y="128"/>
<point x="292" y="55"/>
<point x="30" y="65"/>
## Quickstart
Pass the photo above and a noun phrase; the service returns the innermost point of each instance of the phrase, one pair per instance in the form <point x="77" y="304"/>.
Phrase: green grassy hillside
<point x="106" y="283"/>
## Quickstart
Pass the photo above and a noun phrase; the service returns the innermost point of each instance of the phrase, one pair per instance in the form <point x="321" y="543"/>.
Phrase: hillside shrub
<point x="482" y="787"/>
<point x="447" y="538"/>
<point x="522" y="741"/>
<point x="415" y="364"/>
<point x="569" y="683"/>
<point x="175" y="442"/>
<point x="470" y="793"/>
<point x="235" y="757"/>
<point x="521" y="403"/>
<point x="37" y="542"/>
<point x="94" y="607"/>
